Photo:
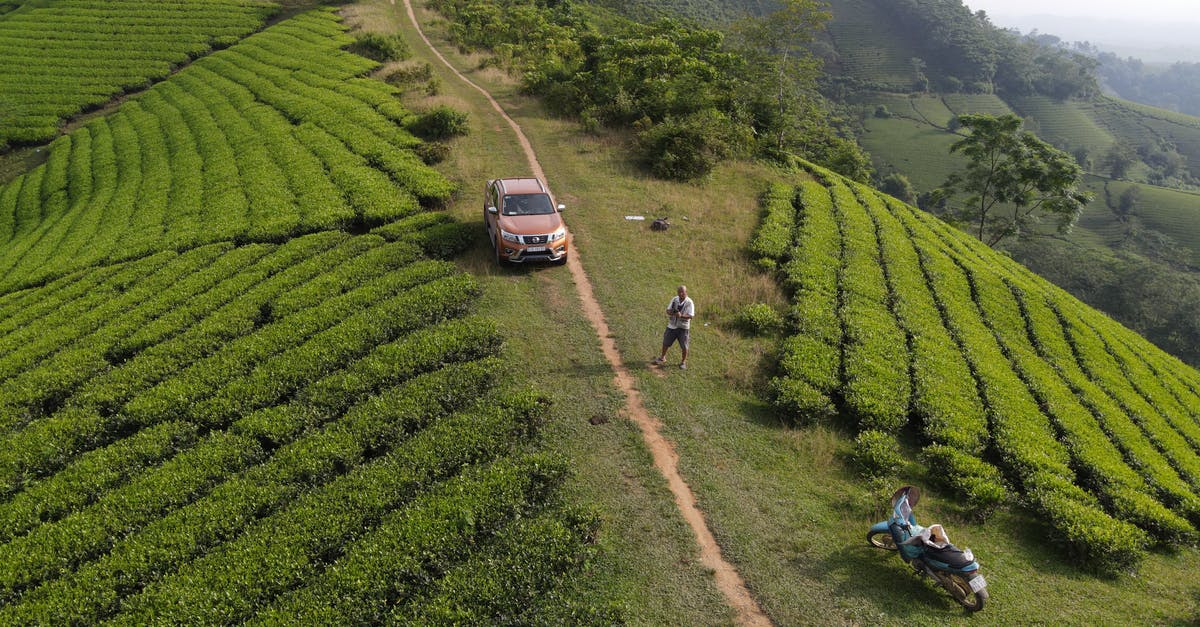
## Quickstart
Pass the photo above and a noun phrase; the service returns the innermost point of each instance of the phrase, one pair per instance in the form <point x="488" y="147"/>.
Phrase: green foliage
<point x="267" y="139"/>
<point x="759" y="319"/>
<point x="963" y="51"/>
<point x="1175" y="87"/>
<point x="1012" y="177"/>
<point x="977" y="482"/>
<point x="876" y="454"/>
<point x="439" y="123"/>
<point x="692" y="98"/>
<point x="380" y="47"/>
<point x="335" y="377"/>
<point x="898" y="185"/>
<point x="683" y="149"/>
<point x="189" y="375"/>
<point x="61" y="61"/>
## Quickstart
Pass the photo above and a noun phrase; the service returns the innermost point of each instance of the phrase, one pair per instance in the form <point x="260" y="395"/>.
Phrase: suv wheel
<point x="496" y="247"/>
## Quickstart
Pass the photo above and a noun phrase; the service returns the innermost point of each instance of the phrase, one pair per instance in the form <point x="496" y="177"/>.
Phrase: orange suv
<point x="523" y="221"/>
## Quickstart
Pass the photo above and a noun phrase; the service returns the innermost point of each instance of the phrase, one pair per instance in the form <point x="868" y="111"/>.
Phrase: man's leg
<point x="667" y="341"/>
<point x="684" y="340"/>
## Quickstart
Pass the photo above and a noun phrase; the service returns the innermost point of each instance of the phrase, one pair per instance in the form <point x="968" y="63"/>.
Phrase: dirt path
<point x="666" y="460"/>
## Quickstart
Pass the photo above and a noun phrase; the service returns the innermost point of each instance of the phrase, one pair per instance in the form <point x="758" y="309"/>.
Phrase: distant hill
<point x="1149" y="40"/>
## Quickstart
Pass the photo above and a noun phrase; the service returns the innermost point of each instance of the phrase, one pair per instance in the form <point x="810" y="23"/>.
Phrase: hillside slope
<point x="222" y="401"/>
<point x="916" y="327"/>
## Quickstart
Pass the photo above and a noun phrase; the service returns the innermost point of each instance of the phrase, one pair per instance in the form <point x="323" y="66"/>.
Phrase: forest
<point x="1175" y="86"/>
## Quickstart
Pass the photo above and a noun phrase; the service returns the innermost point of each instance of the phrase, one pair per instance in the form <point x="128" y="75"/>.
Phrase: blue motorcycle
<point x="929" y="552"/>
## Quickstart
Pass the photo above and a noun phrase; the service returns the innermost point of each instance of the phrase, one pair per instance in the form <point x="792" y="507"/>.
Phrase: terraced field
<point x="219" y="404"/>
<point x="1170" y="211"/>
<point x="1068" y="125"/>
<point x="1142" y="125"/>
<point x="913" y="147"/>
<point x="961" y="104"/>
<point x="915" y="326"/>
<point x="867" y="49"/>
<point x="59" y="58"/>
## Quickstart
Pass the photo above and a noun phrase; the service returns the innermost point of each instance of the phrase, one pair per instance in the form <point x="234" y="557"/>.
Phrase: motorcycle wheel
<point x="881" y="540"/>
<point x="960" y="588"/>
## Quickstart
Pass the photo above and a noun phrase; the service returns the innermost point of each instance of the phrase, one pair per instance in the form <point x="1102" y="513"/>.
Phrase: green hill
<point x="238" y="384"/>
<point x="917" y="327"/>
<point x="222" y="400"/>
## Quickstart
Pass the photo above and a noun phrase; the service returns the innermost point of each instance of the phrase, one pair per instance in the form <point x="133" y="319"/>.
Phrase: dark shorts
<point x="671" y="335"/>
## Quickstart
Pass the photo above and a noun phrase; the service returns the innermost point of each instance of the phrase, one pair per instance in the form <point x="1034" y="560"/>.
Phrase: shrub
<point x="800" y="401"/>
<point x="439" y="123"/>
<point x="976" y="481"/>
<point x="380" y="47"/>
<point x="773" y="239"/>
<point x="433" y="153"/>
<point x="759" y="319"/>
<point x="683" y="149"/>
<point x="876" y="454"/>
<point x="410" y="75"/>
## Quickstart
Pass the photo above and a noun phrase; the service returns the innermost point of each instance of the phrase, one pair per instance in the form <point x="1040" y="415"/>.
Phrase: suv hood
<point x="531" y="225"/>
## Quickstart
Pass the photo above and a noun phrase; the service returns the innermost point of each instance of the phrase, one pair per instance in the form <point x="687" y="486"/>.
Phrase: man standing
<point x="679" y="321"/>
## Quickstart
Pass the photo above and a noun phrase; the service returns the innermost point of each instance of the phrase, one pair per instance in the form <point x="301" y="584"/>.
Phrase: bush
<point x="410" y="75"/>
<point x="380" y="47"/>
<point x="877" y="454"/>
<point x="759" y="319"/>
<point x="973" y="479"/>
<point x="800" y="402"/>
<point x="433" y="153"/>
<point x="773" y="239"/>
<point x="439" y="123"/>
<point x="683" y="149"/>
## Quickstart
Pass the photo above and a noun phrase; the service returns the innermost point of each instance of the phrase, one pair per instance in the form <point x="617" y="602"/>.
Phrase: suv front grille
<point x="535" y="239"/>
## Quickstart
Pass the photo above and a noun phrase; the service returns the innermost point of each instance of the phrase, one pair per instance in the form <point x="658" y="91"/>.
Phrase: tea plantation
<point x="908" y="326"/>
<point x="59" y="58"/>
<point x="223" y="400"/>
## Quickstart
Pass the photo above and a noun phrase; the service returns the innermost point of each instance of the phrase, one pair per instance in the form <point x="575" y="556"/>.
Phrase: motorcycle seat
<point x="949" y="555"/>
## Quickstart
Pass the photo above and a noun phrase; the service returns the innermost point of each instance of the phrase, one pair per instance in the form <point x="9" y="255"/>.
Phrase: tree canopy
<point x="1012" y="179"/>
<point x="691" y="95"/>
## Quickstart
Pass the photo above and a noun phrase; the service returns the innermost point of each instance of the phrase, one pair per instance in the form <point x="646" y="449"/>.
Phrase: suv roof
<point x="521" y="186"/>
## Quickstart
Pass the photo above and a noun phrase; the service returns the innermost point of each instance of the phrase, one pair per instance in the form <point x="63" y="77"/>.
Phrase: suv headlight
<point x="559" y="234"/>
<point x="509" y="237"/>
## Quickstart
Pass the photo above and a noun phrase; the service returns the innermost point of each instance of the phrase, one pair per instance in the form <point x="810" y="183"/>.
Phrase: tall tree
<point x="776" y="44"/>
<point x="1012" y="179"/>
<point x="1119" y="159"/>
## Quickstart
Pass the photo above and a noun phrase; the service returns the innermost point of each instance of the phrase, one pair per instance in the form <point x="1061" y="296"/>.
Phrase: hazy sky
<point x="1142" y="10"/>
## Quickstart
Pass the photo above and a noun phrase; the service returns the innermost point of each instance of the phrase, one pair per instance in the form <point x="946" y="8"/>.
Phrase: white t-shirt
<point x="687" y="308"/>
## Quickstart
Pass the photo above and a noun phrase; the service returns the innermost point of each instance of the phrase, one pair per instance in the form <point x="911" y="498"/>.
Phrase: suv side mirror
<point x="492" y="210"/>
<point x="561" y="207"/>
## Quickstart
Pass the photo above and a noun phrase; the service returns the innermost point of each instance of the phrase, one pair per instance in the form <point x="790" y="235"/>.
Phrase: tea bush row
<point x="282" y="551"/>
<point x="774" y="236"/>
<point x="1097" y="460"/>
<point x="1097" y="432"/>
<point x="59" y="59"/>
<point x="95" y="590"/>
<point x="231" y="310"/>
<point x="262" y="141"/>
<point x="811" y="357"/>
<point x="876" y="386"/>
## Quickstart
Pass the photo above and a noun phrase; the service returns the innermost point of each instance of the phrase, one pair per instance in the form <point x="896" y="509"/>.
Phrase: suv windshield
<point x="527" y="205"/>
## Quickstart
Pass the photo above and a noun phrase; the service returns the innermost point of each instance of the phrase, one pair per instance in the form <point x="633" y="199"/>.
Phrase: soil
<point x="666" y="459"/>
